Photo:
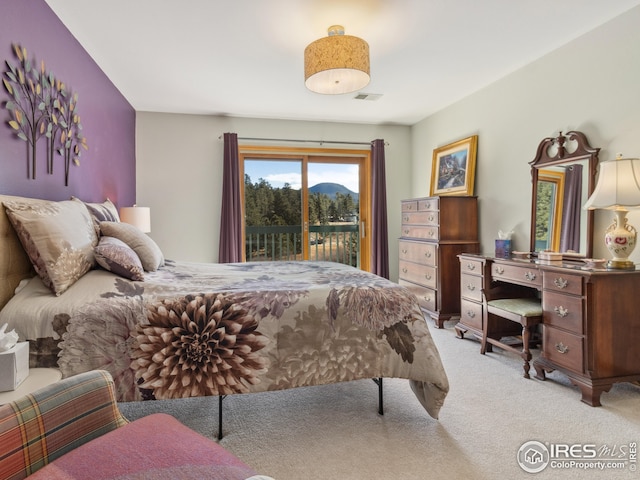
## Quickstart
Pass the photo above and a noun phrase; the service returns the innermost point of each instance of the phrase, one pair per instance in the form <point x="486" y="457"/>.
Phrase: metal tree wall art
<point x="40" y="106"/>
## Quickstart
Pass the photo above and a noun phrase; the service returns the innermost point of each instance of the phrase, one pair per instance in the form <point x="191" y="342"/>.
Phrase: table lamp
<point x="618" y="189"/>
<point x="137" y="216"/>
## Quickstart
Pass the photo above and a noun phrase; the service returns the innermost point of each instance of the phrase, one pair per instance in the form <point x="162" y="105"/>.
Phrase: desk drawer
<point x="420" y="218"/>
<point x="416" y="273"/>
<point x="563" y="311"/>
<point x="563" y="348"/>
<point x="560" y="282"/>
<point x="426" y="232"/>
<point x="418" y="252"/>
<point x="523" y="275"/>
<point x="471" y="287"/>
<point x="471" y="314"/>
<point x="471" y="267"/>
<point x="426" y="296"/>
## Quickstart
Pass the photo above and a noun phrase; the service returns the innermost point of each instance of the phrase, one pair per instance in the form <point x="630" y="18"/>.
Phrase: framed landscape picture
<point x="453" y="168"/>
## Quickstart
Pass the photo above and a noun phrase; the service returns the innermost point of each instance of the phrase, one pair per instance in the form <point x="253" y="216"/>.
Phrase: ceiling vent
<point x="368" y="96"/>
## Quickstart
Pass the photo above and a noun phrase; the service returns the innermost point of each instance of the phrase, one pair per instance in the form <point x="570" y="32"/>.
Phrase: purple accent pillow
<point x="117" y="257"/>
<point x="101" y="212"/>
<point x="104" y="212"/>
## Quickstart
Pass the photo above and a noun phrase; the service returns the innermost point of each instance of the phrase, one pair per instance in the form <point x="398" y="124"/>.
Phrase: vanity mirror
<point x="563" y="177"/>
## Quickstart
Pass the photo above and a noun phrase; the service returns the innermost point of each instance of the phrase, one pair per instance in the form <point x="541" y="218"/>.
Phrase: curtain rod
<point x="321" y="142"/>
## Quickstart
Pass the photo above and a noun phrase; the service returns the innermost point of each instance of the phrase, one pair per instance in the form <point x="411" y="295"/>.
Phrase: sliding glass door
<point x="306" y="207"/>
<point x="273" y="199"/>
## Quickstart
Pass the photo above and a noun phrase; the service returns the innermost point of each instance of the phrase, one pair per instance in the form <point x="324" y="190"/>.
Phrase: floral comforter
<point x="194" y="329"/>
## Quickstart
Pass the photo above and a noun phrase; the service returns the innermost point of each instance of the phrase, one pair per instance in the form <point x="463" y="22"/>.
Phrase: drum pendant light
<point x="337" y="63"/>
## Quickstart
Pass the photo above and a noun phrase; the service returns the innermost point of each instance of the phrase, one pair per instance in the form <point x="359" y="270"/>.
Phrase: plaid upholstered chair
<point x="73" y="429"/>
<point x="38" y="428"/>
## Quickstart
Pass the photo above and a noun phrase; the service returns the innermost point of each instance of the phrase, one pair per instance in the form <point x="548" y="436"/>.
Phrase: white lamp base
<point x="620" y="239"/>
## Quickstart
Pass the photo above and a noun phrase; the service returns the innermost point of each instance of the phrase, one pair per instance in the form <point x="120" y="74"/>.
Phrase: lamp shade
<point x="618" y="185"/>
<point x="137" y="216"/>
<point x="337" y="63"/>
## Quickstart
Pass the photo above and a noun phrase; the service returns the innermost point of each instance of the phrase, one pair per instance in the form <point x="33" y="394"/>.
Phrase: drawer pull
<point x="406" y="218"/>
<point x="431" y="218"/>
<point x="404" y="270"/>
<point x="499" y="270"/>
<point x="471" y="288"/>
<point x="406" y="231"/>
<point x="432" y="233"/>
<point x="561" y="311"/>
<point x="471" y="314"/>
<point x="560" y="282"/>
<point x="404" y="251"/>
<point x="427" y="299"/>
<point x="427" y="254"/>
<point x="427" y="276"/>
<point x="530" y="276"/>
<point x="471" y="266"/>
<point x="562" y="348"/>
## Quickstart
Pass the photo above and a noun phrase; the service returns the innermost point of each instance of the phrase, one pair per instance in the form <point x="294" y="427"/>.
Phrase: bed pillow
<point x="116" y="256"/>
<point x="147" y="250"/>
<point x="101" y="212"/>
<point x="58" y="237"/>
<point x="104" y="212"/>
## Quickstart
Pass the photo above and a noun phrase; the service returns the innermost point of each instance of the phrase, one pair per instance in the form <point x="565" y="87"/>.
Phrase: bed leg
<point x="220" y="398"/>
<point x="380" y="400"/>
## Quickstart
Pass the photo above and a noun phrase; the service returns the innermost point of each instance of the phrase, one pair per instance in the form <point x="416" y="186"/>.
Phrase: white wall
<point x="591" y="84"/>
<point x="179" y="168"/>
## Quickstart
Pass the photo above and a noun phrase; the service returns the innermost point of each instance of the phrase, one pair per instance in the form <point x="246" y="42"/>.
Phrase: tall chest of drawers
<point x="435" y="230"/>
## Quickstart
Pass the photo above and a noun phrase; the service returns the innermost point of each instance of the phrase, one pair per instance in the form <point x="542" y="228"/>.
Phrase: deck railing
<point x="334" y="243"/>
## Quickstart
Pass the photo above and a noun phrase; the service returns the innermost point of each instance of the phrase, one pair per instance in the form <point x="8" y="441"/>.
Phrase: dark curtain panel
<point x="379" y="230"/>
<point x="570" y="230"/>
<point x="231" y="218"/>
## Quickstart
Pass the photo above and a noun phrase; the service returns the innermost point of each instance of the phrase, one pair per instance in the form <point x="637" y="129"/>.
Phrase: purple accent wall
<point x="108" y="168"/>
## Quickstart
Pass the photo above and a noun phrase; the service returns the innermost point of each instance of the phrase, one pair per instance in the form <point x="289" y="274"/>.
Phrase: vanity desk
<point x="591" y="322"/>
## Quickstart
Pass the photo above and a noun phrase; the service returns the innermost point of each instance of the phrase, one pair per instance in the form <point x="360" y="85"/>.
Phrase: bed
<point x="181" y="329"/>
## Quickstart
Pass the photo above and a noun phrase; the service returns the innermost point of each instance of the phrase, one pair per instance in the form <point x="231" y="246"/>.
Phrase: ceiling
<point x="245" y="57"/>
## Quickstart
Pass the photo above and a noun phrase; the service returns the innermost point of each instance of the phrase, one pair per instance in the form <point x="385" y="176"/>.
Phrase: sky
<point x="277" y="173"/>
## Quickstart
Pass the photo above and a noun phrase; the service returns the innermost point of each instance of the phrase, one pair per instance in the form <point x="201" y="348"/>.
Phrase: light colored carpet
<point x="334" y="432"/>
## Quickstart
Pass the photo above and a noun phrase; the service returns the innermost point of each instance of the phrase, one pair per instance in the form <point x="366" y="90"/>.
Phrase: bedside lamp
<point x="137" y="216"/>
<point x="618" y="189"/>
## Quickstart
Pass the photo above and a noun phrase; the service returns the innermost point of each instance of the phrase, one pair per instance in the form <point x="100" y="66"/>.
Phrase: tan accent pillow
<point x="116" y="256"/>
<point x="147" y="250"/>
<point x="58" y="237"/>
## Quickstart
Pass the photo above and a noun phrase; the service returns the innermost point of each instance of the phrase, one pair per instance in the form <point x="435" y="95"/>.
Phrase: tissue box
<point x="14" y="366"/>
<point x="503" y="248"/>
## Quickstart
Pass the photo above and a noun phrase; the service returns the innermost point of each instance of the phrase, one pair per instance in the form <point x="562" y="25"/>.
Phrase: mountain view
<point x="273" y="222"/>
<point x="328" y="202"/>
<point x="331" y="189"/>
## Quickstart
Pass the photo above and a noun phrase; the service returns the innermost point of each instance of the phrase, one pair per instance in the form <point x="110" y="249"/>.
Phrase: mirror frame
<point x="551" y="152"/>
